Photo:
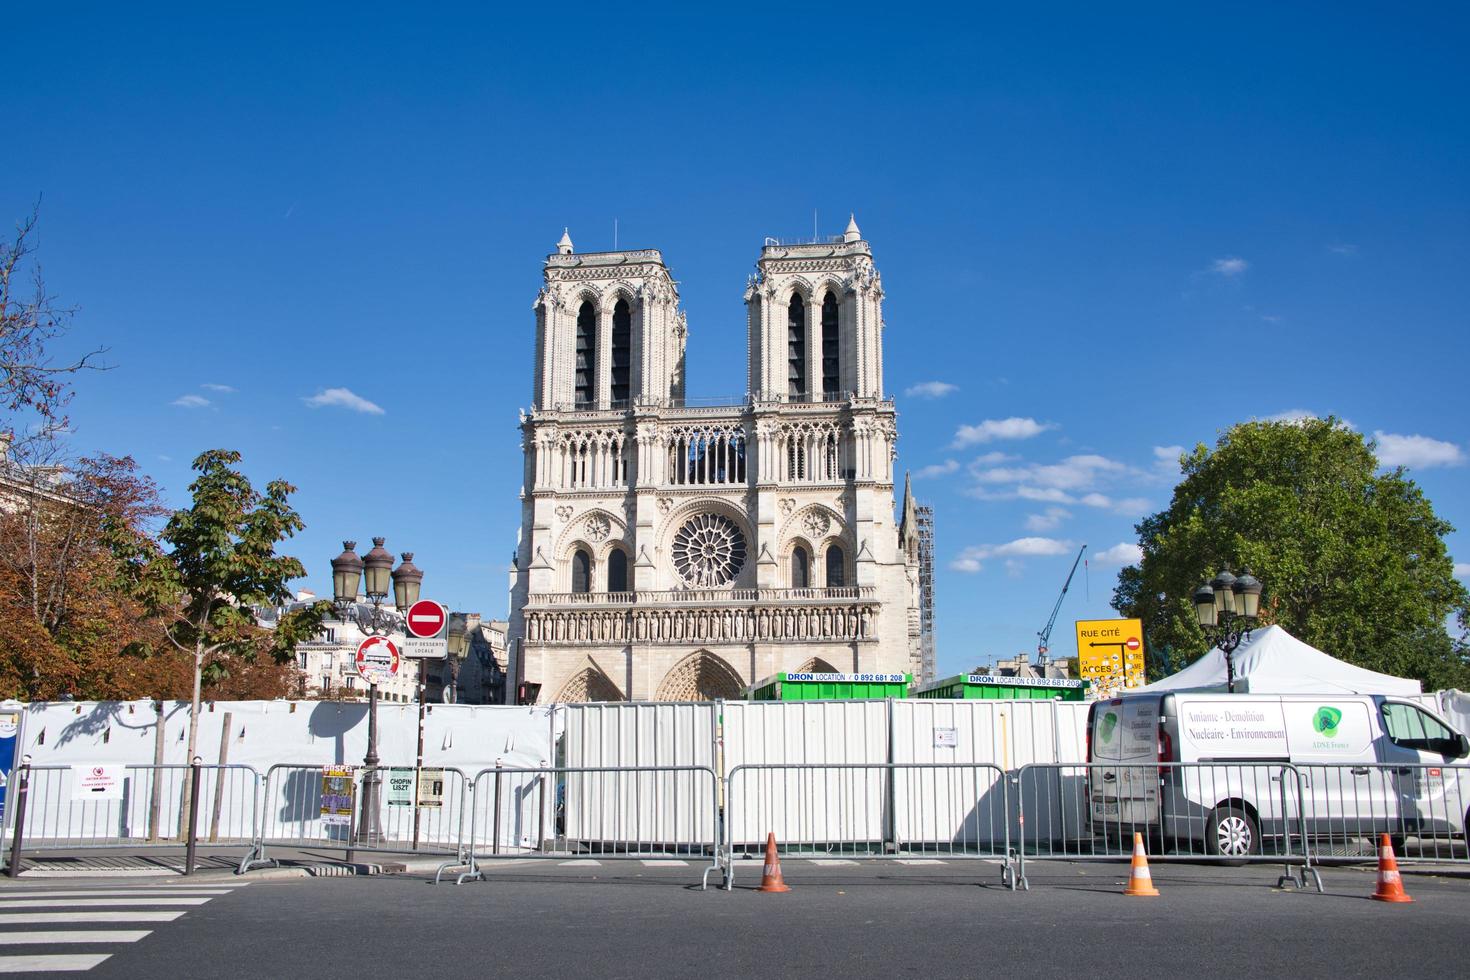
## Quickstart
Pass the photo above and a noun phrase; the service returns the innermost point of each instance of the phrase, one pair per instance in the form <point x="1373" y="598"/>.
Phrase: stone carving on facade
<point x="665" y="504"/>
<point x="787" y="505"/>
<point x="798" y="623"/>
<point x="563" y="513"/>
<point x="817" y="523"/>
<point x="598" y="527"/>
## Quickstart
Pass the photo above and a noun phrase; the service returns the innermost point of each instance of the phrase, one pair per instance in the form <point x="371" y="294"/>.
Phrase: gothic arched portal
<point x="589" y="685"/>
<point x="700" y="676"/>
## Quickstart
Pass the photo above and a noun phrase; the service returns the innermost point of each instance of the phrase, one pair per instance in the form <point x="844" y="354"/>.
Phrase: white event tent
<point x="1273" y="661"/>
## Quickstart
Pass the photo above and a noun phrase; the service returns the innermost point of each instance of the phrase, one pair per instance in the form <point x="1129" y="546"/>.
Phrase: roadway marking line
<point x="919" y="861"/>
<point x="26" y="918"/>
<point x="46" y="962"/>
<point x="73" y="936"/>
<point x="831" y="862"/>
<point x="664" y="863"/>
<point x="581" y="863"/>
<point x="108" y="892"/>
<point x="41" y="903"/>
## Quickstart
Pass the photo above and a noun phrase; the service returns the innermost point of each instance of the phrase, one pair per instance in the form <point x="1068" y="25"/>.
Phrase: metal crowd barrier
<point x="591" y="813"/>
<point x="293" y="814"/>
<point x="152" y="806"/>
<point x="1234" y="812"/>
<point x="870" y="811"/>
<point x="1423" y="808"/>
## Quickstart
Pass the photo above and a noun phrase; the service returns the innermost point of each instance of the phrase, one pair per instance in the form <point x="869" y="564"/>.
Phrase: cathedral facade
<point x="671" y="551"/>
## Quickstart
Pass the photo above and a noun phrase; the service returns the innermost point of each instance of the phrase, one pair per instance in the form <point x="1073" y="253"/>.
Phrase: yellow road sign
<point x="1110" y="653"/>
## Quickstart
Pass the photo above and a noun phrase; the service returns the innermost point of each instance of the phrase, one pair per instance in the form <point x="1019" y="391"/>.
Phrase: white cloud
<point x="1096" y="500"/>
<point x="1072" y="473"/>
<point x="1166" y="459"/>
<point x="1462" y="569"/>
<point x="992" y="458"/>
<point x="222" y="389"/>
<point x="1420" y="451"/>
<point x="972" y="559"/>
<point x="1230" y="266"/>
<point x="1121" y="553"/>
<point x="1134" y="506"/>
<point x="931" y="389"/>
<point x="1343" y="248"/>
<point x="190" y="401"/>
<point x="343" y="398"/>
<point x="993" y="429"/>
<point x="1048" y="520"/>
<point x="936" y="469"/>
<point x="1292" y="415"/>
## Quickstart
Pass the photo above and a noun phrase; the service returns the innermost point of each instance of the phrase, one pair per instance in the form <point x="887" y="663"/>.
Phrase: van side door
<point x="1416" y="748"/>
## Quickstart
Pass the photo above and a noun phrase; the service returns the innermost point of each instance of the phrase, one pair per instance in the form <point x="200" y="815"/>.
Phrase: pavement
<point x="636" y="919"/>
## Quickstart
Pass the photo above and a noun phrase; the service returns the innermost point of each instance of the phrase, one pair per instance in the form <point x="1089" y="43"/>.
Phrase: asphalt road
<point x="540" y="920"/>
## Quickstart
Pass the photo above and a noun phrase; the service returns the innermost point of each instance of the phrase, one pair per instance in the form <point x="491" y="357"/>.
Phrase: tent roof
<point x="1275" y="662"/>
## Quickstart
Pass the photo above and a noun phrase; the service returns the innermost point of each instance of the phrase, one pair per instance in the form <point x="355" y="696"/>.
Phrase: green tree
<point x="1353" y="558"/>
<point x="222" y="562"/>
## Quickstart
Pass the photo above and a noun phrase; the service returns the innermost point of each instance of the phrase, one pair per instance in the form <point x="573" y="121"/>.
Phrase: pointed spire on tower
<point x="852" y="234"/>
<point x="565" y="245"/>
<point x="908" y="524"/>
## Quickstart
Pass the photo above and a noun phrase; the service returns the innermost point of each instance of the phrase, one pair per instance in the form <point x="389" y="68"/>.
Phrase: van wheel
<point x="1232" y="833"/>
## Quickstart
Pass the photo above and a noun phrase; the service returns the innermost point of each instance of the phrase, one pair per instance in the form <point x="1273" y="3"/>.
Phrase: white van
<point x="1252" y="766"/>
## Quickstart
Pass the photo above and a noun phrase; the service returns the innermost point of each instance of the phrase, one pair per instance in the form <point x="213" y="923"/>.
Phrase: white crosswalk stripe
<point x="918" y="861"/>
<point x="86" y="909"/>
<point x="44" y="936"/>
<point x="581" y="863"/>
<point x="51" y="962"/>
<point x="664" y="863"/>
<point x="831" y="862"/>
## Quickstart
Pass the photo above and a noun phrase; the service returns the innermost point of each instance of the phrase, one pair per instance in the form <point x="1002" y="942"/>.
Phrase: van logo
<point x="1109" y="722"/>
<point x="1326" y="720"/>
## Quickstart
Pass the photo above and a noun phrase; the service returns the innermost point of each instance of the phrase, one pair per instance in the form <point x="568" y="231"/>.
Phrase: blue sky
<point x="1111" y="231"/>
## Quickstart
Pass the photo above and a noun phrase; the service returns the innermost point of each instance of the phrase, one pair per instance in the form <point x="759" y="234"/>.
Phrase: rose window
<point x="709" y="551"/>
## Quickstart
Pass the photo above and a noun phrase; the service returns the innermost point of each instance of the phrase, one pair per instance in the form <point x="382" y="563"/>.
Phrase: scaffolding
<point x="927" y="666"/>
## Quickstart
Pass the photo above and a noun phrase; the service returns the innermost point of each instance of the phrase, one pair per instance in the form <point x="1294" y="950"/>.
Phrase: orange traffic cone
<point x="1390" y="885"/>
<point x="1140" y="882"/>
<point x="771" y="880"/>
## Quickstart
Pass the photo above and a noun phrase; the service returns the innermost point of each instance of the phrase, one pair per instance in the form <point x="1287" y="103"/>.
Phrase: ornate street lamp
<point x="374" y="574"/>
<point x="1226" y="609"/>
<point x="457" y="641"/>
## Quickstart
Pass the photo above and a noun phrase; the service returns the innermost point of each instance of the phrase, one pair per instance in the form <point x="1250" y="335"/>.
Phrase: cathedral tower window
<point x="830" y="377"/>
<point x="796" y="348"/>
<point x="586" y="393"/>
<point x="801" y="564"/>
<point x="622" y="352"/>
<point x="617" y="571"/>
<point x="836" y="568"/>
<point x="581" y="571"/>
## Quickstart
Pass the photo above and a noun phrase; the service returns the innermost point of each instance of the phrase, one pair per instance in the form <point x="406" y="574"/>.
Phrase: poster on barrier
<point x="96" y="782"/>
<point x="431" y="787"/>
<point x="337" y="792"/>
<point x="400" y="786"/>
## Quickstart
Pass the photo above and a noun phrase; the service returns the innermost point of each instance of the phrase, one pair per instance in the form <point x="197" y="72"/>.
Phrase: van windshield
<point x="1107" y="732"/>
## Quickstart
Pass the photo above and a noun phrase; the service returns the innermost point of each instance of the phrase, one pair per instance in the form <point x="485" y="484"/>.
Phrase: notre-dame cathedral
<point x="672" y="551"/>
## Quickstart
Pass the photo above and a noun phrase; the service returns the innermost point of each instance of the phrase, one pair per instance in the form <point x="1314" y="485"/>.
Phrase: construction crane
<point x="1045" y="634"/>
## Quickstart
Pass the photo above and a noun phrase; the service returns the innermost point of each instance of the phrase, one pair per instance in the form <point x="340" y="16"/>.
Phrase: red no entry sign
<point x="1133" y="643"/>
<point x="377" y="659"/>
<point x="426" y="619"/>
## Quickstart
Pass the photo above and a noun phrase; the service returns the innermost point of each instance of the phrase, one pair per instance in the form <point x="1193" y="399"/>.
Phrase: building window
<point x="796" y="348"/>
<point x="581" y="571"/>
<point x="586" y="356"/>
<point x="622" y="352"/>
<point x="836" y="571"/>
<point x="830" y="377"/>
<point x="617" y="571"/>
<point x="801" y="564"/>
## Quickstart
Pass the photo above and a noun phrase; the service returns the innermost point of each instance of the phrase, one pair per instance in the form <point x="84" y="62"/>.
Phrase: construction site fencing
<point x="296" y="812"/>
<point x="879" y="810"/>
<point x="593" y="813"/>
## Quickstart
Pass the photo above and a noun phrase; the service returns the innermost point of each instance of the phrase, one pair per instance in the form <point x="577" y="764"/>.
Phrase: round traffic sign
<point x="1133" y="643"/>
<point x="426" y="619"/>
<point x="377" y="659"/>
